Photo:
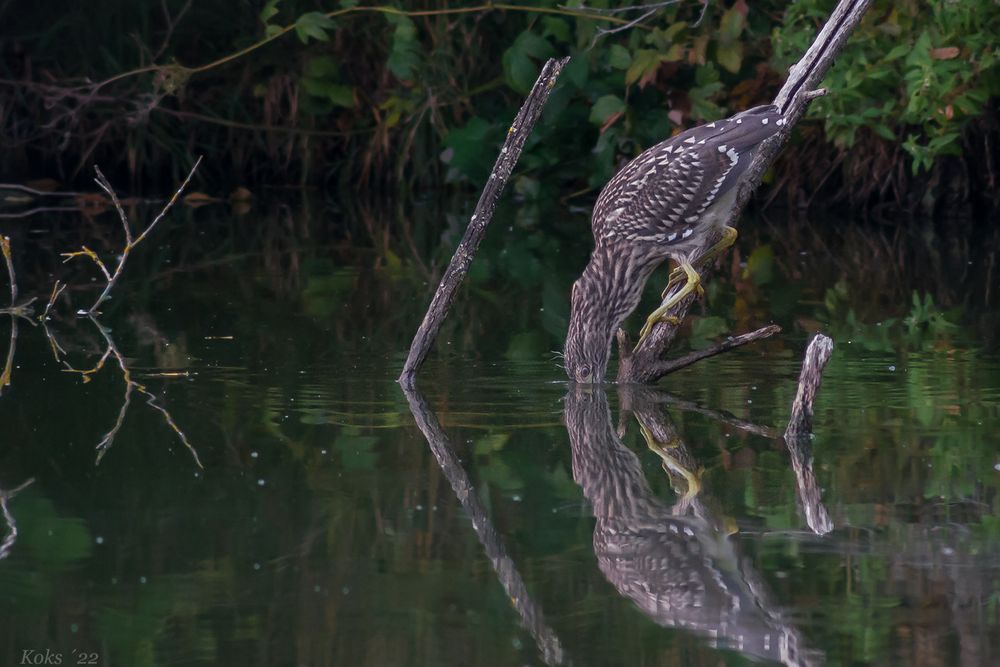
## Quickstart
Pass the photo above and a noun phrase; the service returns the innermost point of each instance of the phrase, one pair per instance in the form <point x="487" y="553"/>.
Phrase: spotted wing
<point x="659" y="196"/>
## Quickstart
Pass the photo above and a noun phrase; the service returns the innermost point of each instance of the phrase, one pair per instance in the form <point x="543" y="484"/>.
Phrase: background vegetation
<point x="416" y="95"/>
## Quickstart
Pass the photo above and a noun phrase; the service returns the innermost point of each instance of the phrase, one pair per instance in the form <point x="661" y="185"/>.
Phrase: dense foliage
<point x="301" y="91"/>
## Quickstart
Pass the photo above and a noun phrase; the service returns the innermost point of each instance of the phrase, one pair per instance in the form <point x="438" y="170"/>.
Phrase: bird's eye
<point x="585" y="373"/>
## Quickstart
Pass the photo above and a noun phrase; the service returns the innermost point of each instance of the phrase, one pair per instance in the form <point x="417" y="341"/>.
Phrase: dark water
<point x="271" y="497"/>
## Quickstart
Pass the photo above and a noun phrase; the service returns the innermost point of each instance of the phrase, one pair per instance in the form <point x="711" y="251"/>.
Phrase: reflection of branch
<point x="510" y="578"/>
<point x="130" y="385"/>
<point x="130" y="243"/>
<point x="8" y="541"/>
<point x="9" y="365"/>
<point x="22" y="310"/>
<point x="632" y="393"/>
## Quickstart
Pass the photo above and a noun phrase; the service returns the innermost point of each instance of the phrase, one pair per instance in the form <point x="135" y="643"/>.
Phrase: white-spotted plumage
<point x="661" y="204"/>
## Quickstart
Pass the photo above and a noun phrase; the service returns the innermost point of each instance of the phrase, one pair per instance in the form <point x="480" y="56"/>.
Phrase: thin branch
<point x="57" y="289"/>
<point x="647" y="373"/>
<point x="104" y="185"/>
<point x="5" y="249"/>
<point x="130" y="243"/>
<point x="792" y="99"/>
<point x="460" y="261"/>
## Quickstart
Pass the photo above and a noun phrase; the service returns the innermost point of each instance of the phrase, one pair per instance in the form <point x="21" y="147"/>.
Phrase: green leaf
<point x="404" y="56"/>
<point x="645" y="60"/>
<point x="557" y="28"/>
<point x="314" y="25"/>
<point x="272" y="30"/>
<point x="519" y="67"/>
<point x="619" y="57"/>
<point x="269" y="10"/>
<point x="730" y="56"/>
<point x="731" y="25"/>
<point x="605" y="107"/>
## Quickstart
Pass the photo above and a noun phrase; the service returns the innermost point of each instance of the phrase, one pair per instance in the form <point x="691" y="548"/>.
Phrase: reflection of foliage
<point x="924" y="328"/>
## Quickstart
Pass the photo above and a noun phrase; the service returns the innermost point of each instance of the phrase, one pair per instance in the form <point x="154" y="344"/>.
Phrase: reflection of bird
<point x="664" y="203"/>
<point x="680" y="571"/>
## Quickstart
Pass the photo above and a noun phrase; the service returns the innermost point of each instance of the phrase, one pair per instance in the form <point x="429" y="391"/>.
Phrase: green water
<point x="321" y="517"/>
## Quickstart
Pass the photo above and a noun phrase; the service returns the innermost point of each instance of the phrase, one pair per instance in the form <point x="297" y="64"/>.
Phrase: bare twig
<point x="817" y="355"/>
<point x="11" y="537"/>
<point x="505" y="567"/>
<point x="648" y="373"/>
<point x="460" y="261"/>
<point x="57" y="289"/>
<point x="792" y="99"/>
<point x="130" y="243"/>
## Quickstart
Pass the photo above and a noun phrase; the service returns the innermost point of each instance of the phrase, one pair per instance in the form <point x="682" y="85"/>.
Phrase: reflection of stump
<point x="680" y="571"/>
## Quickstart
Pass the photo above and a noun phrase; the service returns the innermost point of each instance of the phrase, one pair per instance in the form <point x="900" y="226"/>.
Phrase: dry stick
<point x="666" y="366"/>
<point x="644" y="365"/>
<point x="130" y="243"/>
<point x="440" y="446"/>
<point x="460" y="261"/>
<point x="797" y="434"/>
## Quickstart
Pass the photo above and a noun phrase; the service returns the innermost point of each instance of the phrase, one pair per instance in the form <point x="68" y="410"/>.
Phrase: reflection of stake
<point x="130" y="385"/>
<point x="8" y="541"/>
<point x="130" y="243"/>
<point x="510" y="578"/>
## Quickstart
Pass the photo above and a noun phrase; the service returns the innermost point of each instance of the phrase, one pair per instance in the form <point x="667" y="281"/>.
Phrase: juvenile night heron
<point x="663" y="204"/>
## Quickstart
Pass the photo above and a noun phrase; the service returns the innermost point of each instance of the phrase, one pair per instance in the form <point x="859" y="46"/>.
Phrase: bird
<point x="663" y="204"/>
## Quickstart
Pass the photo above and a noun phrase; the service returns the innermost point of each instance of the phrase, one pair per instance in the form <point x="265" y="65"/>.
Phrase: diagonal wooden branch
<point x="460" y="261"/>
<point x="644" y="364"/>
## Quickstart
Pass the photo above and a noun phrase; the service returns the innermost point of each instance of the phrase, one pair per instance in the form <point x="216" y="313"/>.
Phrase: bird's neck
<point x="608" y="291"/>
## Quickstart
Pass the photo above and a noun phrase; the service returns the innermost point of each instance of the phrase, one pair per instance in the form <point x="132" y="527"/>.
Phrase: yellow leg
<point x="660" y="314"/>
<point x="729" y="235"/>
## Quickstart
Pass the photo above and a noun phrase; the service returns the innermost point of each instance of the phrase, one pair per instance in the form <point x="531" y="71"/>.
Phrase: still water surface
<point x="271" y="497"/>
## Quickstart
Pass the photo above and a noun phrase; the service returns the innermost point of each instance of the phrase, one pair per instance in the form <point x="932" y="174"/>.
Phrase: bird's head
<point x="588" y="341"/>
